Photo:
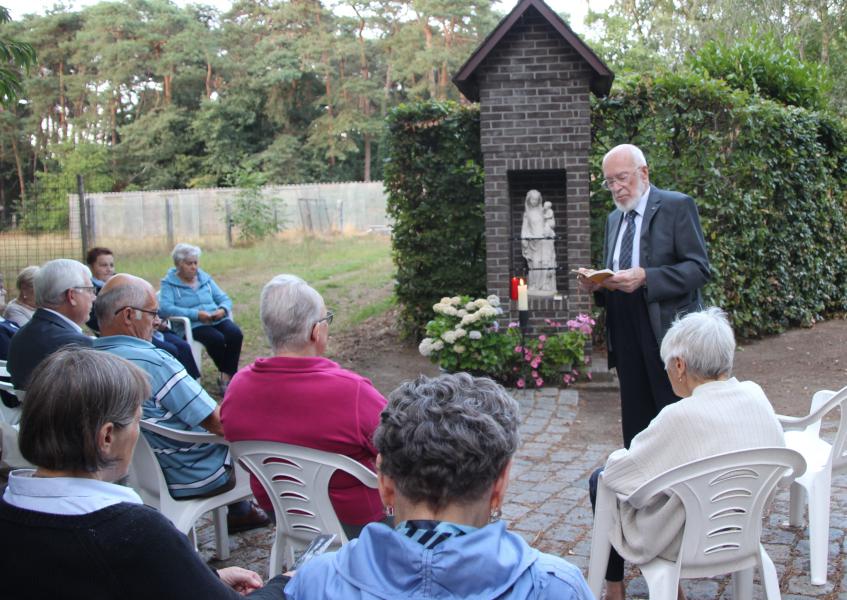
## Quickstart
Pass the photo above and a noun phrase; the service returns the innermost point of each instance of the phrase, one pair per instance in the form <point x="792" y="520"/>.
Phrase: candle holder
<point x="523" y="321"/>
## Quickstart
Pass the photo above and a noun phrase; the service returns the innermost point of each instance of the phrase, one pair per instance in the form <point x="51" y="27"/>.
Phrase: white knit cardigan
<point x="719" y="416"/>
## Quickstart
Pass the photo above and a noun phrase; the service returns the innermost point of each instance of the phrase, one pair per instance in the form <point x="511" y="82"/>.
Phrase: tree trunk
<point x="367" y="175"/>
<point x="20" y="170"/>
<point x="208" y="79"/>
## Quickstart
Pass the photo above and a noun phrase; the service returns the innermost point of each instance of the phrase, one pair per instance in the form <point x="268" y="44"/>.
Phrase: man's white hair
<point x="634" y="152"/>
<point x="55" y="277"/>
<point x="289" y="308"/>
<point x="704" y="340"/>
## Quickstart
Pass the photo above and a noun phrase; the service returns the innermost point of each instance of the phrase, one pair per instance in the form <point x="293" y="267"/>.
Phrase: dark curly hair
<point x="447" y="439"/>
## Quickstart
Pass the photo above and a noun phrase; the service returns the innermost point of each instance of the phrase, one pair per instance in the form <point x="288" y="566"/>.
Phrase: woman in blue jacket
<point x="445" y="449"/>
<point x="188" y="291"/>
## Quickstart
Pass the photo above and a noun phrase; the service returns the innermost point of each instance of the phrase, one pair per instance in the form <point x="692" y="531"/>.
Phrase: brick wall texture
<point x="536" y="134"/>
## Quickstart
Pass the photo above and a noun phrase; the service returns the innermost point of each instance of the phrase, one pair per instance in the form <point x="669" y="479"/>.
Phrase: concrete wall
<point x="152" y="219"/>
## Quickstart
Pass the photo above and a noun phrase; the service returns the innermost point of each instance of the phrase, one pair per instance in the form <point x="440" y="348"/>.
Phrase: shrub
<point x="465" y="336"/>
<point x="251" y="213"/>
<point x="434" y="179"/>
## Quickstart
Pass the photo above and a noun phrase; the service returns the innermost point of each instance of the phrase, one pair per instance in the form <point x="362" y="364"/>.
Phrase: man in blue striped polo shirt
<point x="127" y="310"/>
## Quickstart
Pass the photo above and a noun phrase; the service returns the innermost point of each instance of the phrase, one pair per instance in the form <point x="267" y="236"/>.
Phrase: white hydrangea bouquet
<point x="463" y="336"/>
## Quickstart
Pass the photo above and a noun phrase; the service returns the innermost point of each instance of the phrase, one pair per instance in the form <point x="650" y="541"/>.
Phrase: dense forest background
<point x="145" y="94"/>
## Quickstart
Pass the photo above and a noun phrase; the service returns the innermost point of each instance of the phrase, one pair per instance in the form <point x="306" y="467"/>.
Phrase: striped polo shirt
<point x="180" y="403"/>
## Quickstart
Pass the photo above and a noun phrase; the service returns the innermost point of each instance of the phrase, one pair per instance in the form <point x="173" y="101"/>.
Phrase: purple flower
<point x="518" y="348"/>
<point x="535" y="374"/>
<point x="520" y="383"/>
<point x="539" y="382"/>
<point x="542" y="338"/>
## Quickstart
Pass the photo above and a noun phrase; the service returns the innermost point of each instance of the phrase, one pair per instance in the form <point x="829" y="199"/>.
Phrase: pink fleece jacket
<point x="311" y="402"/>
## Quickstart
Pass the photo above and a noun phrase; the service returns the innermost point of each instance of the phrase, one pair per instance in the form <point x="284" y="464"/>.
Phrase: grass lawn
<point x="354" y="274"/>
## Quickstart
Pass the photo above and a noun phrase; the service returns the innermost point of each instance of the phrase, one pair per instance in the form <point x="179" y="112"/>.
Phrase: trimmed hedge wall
<point x="434" y="179"/>
<point x="769" y="181"/>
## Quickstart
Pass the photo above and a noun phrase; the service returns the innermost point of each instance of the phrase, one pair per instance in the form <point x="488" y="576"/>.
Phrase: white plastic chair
<point x="11" y="416"/>
<point x="823" y="459"/>
<point x="724" y="498"/>
<point x="297" y="481"/>
<point x="184" y="329"/>
<point x="146" y="477"/>
<point x="11" y="456"/>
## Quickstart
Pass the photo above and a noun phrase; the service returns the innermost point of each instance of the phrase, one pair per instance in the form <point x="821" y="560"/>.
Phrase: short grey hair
<point x="115" y="298"/>
<point x="704" y="340"/>
<point x="289" y="308"/>
<point x="447" y="439"/>
<point x="60" y="423"/>
<point x="55" y="277"/>
<point x="634" y="152"/>
<point x="26" y="276"/>
<point x="182" y="252"/>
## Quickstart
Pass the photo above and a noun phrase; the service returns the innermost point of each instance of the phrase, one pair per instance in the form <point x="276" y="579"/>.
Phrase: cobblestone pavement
<point x="566" y="434"/>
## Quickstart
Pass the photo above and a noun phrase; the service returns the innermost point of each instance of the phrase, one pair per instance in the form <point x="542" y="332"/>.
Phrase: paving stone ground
<point x="566" y="434"/>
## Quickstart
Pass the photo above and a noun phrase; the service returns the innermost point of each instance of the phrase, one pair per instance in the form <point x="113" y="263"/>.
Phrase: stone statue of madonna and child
<point x="538" y="244"/>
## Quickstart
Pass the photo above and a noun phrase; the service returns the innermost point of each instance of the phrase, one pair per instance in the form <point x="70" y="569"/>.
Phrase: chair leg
<point x="600" y="544"/>
<point x="797" y="502"/>
<point x="662" y="579"/>
<point x="221" y="532"/>
<point x="767" y="572"/>
<point x="819" y="527"/>
<point x="742" y="584"/>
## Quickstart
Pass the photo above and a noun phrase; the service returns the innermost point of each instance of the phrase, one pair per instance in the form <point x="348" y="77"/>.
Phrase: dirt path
<point x="790" y="367"/>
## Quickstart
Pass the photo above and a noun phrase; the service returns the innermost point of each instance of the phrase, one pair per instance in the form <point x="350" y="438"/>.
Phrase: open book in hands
<point x="592" y="275"/>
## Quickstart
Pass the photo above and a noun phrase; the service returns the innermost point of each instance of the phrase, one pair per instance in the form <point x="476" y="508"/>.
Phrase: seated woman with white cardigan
<point x="717" y="414"/>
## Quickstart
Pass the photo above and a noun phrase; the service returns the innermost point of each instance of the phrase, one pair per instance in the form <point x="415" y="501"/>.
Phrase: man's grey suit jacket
<point x="673" y="254"/>
<point x="38" y="338"/>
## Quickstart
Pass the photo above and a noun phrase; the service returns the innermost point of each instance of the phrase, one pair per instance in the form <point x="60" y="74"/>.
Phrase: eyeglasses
<point x="327" y="318"/>
<point x="85" y="288"/>
<point x="155" y="313"/>
<point x="620" y="179"/>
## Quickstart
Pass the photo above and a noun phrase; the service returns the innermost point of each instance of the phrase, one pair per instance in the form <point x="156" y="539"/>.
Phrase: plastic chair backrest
<point x="824" y="402"/>
<point x="724" y="497"/>
<point x="297" y="482"/>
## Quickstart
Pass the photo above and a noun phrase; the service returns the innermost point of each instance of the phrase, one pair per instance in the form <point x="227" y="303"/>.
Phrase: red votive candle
<point x="513" y="293"/>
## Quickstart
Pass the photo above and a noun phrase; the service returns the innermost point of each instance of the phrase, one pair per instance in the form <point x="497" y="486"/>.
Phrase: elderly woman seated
<point x="69" y="530"/>
<point x="717" y="414"/>
<point x="445" y="447"/>
<point x="188" y="291"/>
<point x="22" y="307"/>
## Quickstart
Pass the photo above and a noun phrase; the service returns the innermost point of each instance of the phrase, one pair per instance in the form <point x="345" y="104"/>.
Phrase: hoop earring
<point x="495" y="515"/>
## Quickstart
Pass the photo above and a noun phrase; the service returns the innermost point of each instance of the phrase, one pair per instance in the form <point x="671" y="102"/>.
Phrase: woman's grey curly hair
<point x="447" y="439"/>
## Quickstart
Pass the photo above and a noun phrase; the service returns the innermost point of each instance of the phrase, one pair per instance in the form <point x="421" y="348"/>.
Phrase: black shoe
<point x="251" y="520"/>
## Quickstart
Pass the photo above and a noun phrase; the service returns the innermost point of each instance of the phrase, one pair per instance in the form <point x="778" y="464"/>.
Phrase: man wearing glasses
<point x="297" y="396"/>
<point x="63" y="295"/>
<point x="655" y="245"/>
<point x="128" y="313"/>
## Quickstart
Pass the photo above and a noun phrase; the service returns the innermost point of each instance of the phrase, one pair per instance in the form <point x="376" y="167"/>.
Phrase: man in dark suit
<point x="655" y="245"/>
<point x="63" y="294"/>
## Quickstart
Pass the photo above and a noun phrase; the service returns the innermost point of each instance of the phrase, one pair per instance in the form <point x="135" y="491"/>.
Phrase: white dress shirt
<point x="636" y="241"/>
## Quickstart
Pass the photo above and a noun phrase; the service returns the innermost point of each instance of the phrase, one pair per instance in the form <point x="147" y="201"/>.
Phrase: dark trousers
<point x="645" y="388"/>
<point x="614" y="571"/>
<point x="179" y="348"/>
<point x="223" y="343"/>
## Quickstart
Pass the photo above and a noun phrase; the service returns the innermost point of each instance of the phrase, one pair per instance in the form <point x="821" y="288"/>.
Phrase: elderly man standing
<point x="63" y="295"/>
<point x="655" y="246"/>
<point x="127" y="311"/>
<point x="299" y="397"/>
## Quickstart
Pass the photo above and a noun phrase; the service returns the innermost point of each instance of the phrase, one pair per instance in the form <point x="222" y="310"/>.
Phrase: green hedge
<point x="434" y="179"/>
<point x="769" y="181"/>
